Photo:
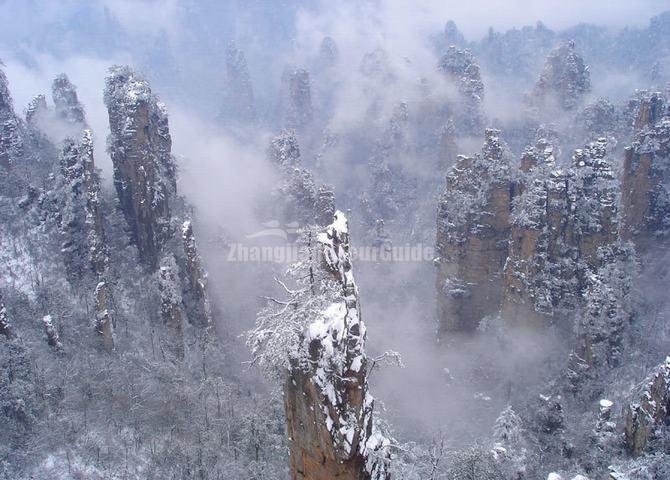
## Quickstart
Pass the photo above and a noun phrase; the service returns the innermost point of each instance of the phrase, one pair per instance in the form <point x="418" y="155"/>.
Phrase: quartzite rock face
<point x="461" y="68"/>
<point x="328" y="53"/>
<point x="531" y="242"/>
<point x="645" y="186"/>
<point x="66" y="101"/>
<point x="561" y="219"/>
<point x="564" y="81"/>
<point x="239" y="94"/>
<point x="36" y="110"/>
<point x="144" y="169"/>
<point x="602" y="118"/>
<point x="452" y="34"/>
<point x="650" y="408"/>
<point x="11" y="142"/>
<point x="593" y="193"/>
<point x="387" y="178"/>
<point x="296" y="98"/>
<point x="84" y="246"/>
<point x="473" y="231"/>
<point x="39" y="147"/>
<point x="195" y="291"/>
<point x="324" y="208"/>
<point x="328" y="407"/>
<point x="172" y="343"/>
<point x="652" y="107"/>
<point x="297" y="197"/>
<point x="538" y="222"/>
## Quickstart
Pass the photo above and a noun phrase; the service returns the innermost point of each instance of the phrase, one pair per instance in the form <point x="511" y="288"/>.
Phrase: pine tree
<point x="507" y="428"/>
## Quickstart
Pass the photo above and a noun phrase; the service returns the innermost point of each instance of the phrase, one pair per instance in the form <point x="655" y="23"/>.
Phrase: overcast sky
<point x="473" y="16"/>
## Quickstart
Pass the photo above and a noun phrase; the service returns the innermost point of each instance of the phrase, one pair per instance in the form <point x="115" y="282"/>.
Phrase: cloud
<point x="86" y="73"/>
<point x="223" y="176"/>
<point x="146" y="17"/>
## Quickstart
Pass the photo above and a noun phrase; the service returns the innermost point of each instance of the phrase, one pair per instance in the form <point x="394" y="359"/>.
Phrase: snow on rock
<point x="296" y="99"/>
<point x="564" y="81"/>
<point x="11" y="141"/>
<point x="66" y="101"/>
<point x="645" y="183"/>
<point x="328" y="406"/>
<point x="19" y="265"/>
<point x="5" y="326"/>
<point x="648" y="409"/>
<point x="53" y="339"/>
<point x="144" y="169"/>
<point x="472" y="234"/>
<point x="195" y="294"/>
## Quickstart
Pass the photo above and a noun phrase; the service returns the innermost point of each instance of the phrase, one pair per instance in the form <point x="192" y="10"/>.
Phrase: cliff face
<point x="650" y="408"/>
<point x="452" y="35"/>
<point x="461" y="68"/>
<point x="297" y="198"/>
<point x="472" y="234"/>
<point x="328" y="407"/>
<point x="538" y="223"/>
<point x="564" y="81"/>
<point x="602" y="118"/>
<point x="39" y="147"/>
<point x="84" y="246"/>
<point x="533" y="244"/>
<point x="651" y="109"/>
<point x="66" y="101"/>
<point x="646" y="175"/>
<point x="296" y="98"/>
<point x="172" y="342"/>
<point x="561" y="220"/>
<point x="144" y="170"/>
<point x="239" y="95"/>
<point x="593" y="193"/>
<point x="387" y="178"/>
<point x="329" y="54"/>
<point x="195" y="287"/>
<point x="11" y="143"/>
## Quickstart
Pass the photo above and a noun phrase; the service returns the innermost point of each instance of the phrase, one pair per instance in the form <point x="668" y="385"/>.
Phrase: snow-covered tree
<point x="312" y="339"/>
<point x="171" y="313"/>
<point x="507" y="428"/>
<point x="474" y="463"/>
